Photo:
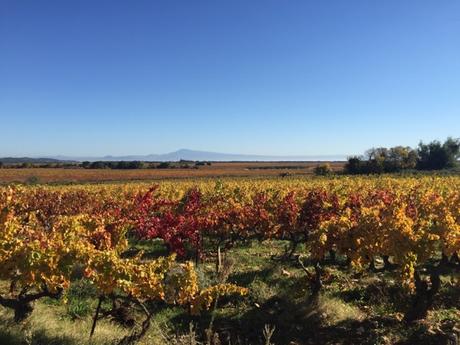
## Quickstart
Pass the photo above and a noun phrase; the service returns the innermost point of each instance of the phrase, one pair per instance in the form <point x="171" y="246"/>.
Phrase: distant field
<point x="254" y="169"/>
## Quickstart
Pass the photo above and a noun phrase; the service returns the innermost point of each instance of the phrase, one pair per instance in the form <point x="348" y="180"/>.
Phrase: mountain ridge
<point x="192" y="155"/>
<point x="196" y="155"/>
<point x="32" y="160"/>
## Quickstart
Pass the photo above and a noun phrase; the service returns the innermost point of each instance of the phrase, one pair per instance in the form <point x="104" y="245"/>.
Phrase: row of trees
<point x="432" y="156"/>
<point x="109" y="165"/>
<point x="114" y="165"/>
<point x="29" y="165"/>
<point x="141" y="165"/>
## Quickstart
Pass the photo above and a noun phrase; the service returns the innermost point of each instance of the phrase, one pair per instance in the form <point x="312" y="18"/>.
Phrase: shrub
<point x="164" y="165"/>
<point x="32" y="180"/>
<point x="323" y="169"/>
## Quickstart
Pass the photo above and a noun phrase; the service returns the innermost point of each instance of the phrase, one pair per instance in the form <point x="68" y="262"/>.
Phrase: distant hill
<point x="192" y="155"/>
<point x="20" y="160"/>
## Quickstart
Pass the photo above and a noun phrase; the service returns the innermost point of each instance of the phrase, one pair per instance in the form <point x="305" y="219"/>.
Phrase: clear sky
<point x="92" y="77"/>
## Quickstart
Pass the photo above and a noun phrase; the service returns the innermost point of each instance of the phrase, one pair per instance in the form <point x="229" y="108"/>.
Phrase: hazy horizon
<point x="197" y="155"/>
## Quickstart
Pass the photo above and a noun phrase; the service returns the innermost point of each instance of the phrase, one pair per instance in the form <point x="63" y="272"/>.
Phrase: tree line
<point x="183" y="164"/>
<point x="431" y="156"/>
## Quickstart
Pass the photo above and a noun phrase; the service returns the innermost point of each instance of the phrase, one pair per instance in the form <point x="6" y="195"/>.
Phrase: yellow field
<point x="49" y="175"/>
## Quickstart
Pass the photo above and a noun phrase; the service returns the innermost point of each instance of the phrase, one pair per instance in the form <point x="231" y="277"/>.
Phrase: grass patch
<point x="364" y="308"/>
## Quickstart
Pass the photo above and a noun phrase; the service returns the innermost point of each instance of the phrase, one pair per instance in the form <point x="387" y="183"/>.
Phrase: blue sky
<point x="93" y="77"/>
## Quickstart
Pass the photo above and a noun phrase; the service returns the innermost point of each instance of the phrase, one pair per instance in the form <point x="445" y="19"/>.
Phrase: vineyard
<point x="338" y="260"/>
<point x="217" y="169"/>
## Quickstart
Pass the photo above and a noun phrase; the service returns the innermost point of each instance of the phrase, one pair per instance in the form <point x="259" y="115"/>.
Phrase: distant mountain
<point x="193" y="155"/>
<point x="20" y="160"/>
<point x="215" y="156"/>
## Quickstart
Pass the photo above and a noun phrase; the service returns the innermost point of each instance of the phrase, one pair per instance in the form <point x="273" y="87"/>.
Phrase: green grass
<point x="353" y="308"/>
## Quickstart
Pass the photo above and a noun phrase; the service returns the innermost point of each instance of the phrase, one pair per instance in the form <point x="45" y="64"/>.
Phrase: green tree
<point x="164" y="165"/>
<point x="437" y="156"/>
<point x="400" y="158"/>
<point x="354" y="165"/>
